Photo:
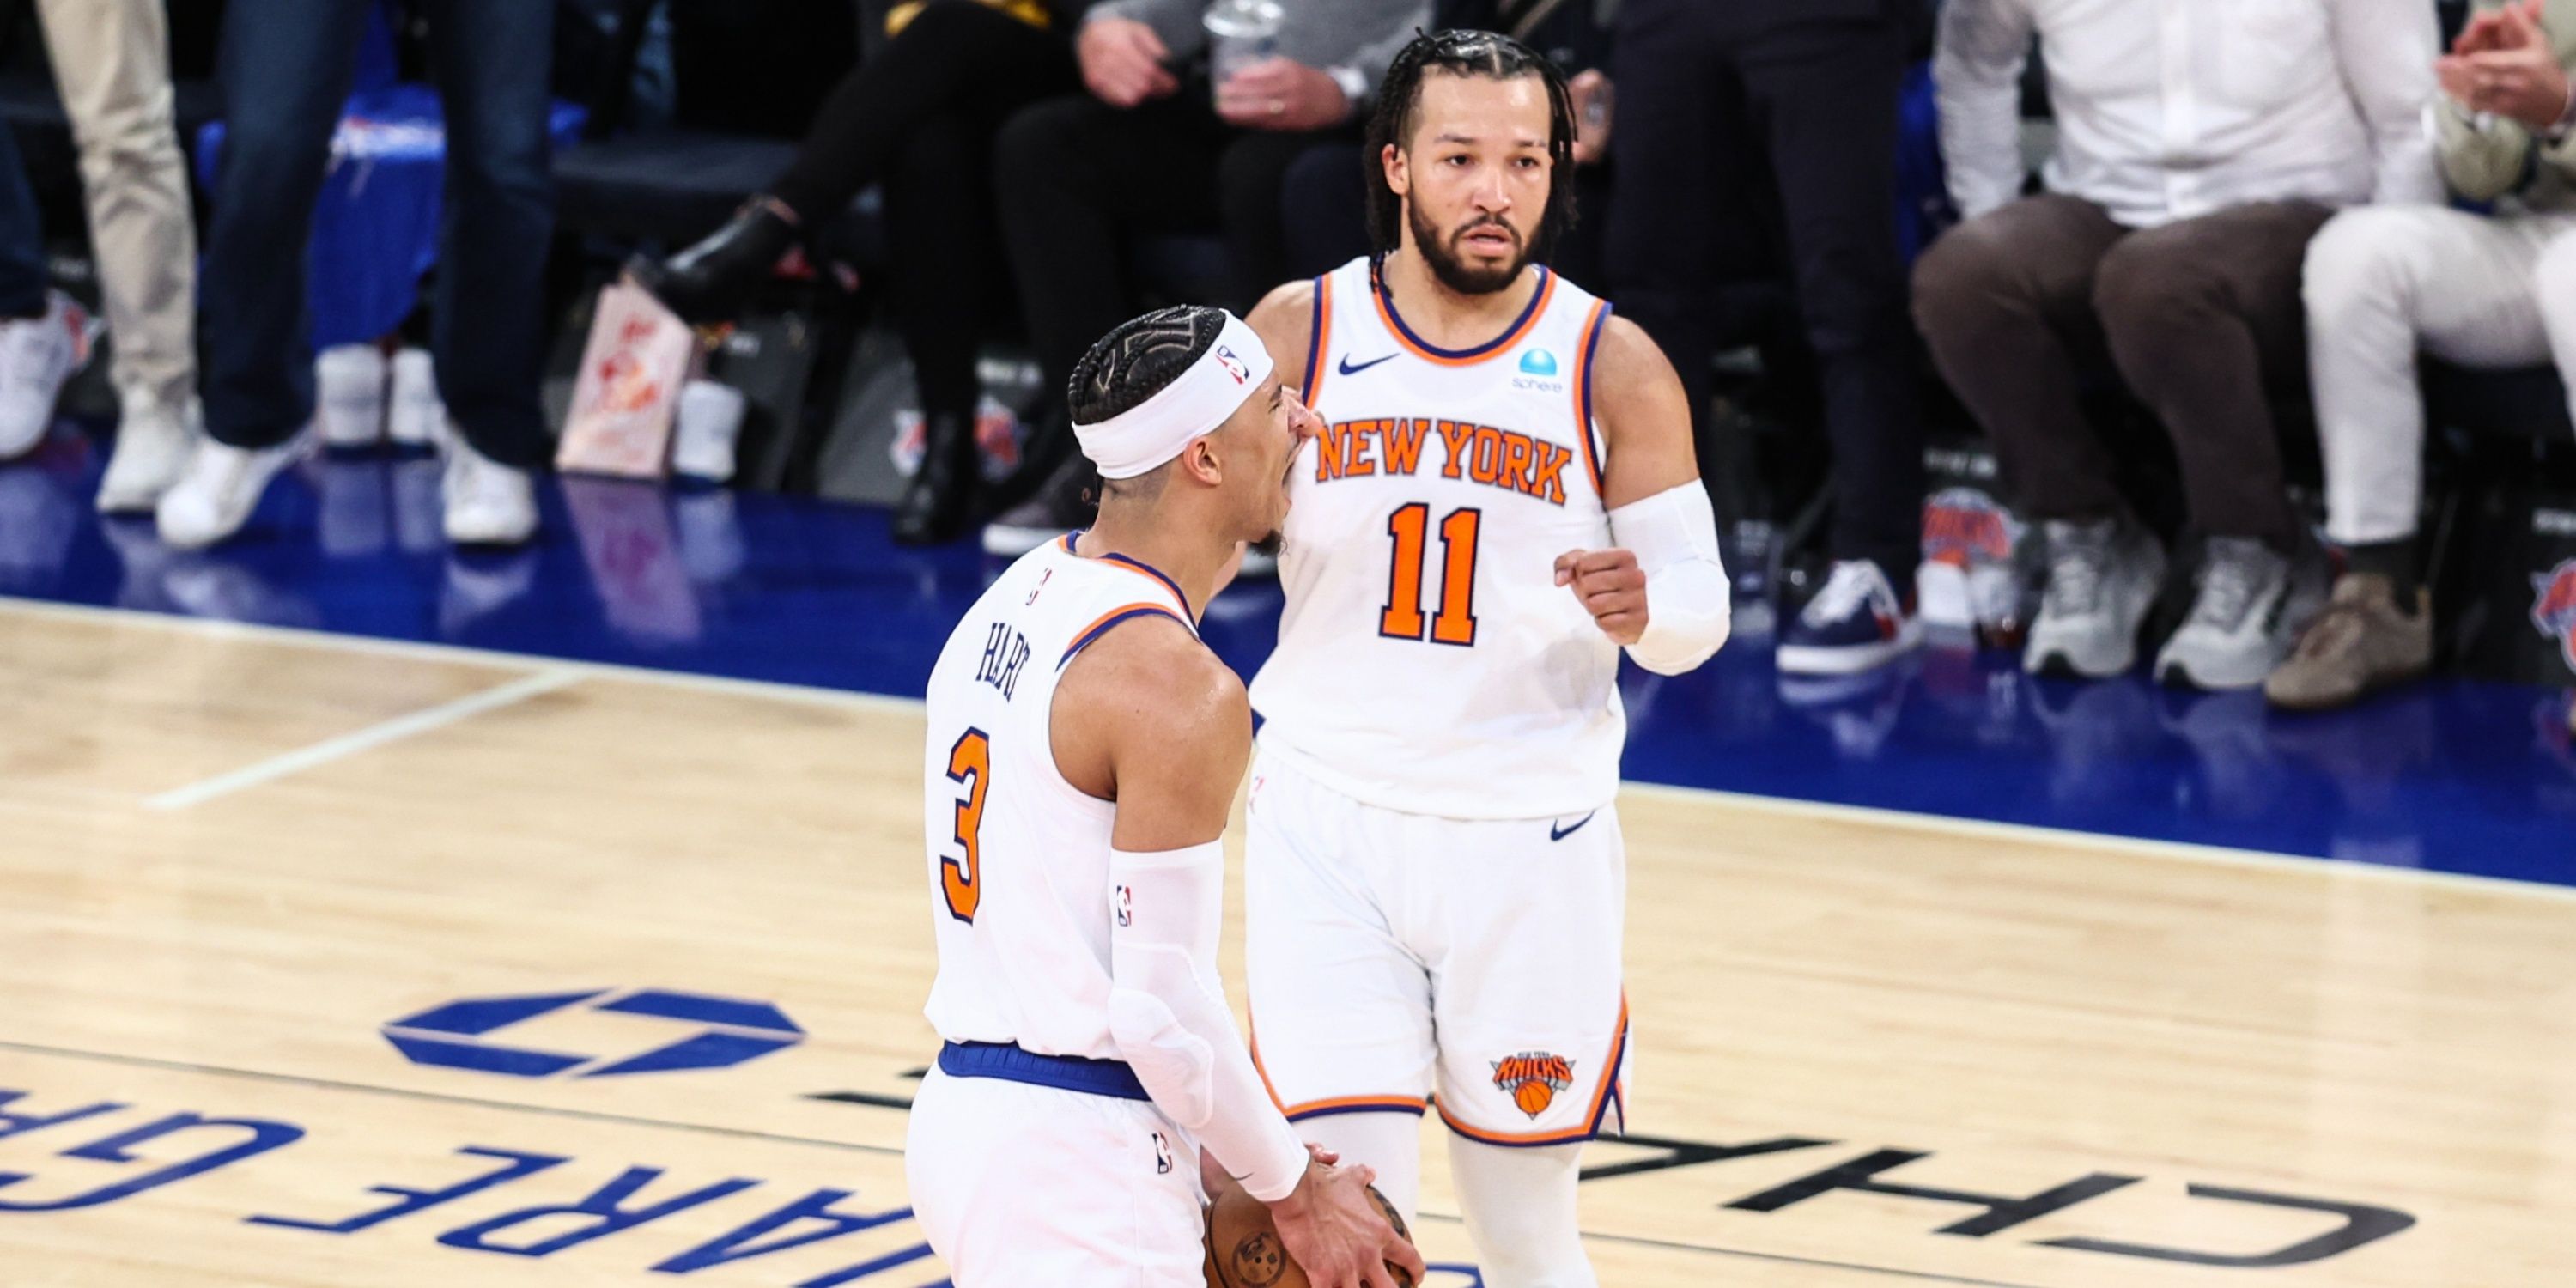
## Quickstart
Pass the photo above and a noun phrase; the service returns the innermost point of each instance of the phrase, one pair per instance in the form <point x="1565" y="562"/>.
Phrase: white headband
<point x="1202" y="398"/>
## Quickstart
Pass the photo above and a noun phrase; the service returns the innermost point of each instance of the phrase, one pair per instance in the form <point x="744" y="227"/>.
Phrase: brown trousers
<point x="2200" y="318"/>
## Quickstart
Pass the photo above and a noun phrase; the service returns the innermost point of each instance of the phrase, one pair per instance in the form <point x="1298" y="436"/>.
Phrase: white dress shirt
<point x="2173" y="109"/>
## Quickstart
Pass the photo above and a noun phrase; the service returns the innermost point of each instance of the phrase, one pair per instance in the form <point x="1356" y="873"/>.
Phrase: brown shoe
<point x="2360" y="643"/>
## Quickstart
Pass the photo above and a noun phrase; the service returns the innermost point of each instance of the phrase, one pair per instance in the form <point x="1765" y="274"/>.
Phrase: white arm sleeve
<point x="1689" y="603"/>
<point x="1167" y="1011"/>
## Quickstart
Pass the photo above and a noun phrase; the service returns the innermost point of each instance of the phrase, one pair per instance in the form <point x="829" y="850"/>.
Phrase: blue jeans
<point x="286" y="67"/>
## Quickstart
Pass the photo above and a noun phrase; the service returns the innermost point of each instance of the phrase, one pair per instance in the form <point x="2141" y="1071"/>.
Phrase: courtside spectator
<point x="2201" y="144"/>
<point x="1815" y="84"/>
<point x="286" y="68"/>
<point x="1155" y="146"/>
<point x="920" y="116"/>
<point x="111" y="59"/>
<point x="2478" y="290"/>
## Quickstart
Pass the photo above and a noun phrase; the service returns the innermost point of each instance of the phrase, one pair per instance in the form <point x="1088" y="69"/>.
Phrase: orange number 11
<point x="1455" y="622"/>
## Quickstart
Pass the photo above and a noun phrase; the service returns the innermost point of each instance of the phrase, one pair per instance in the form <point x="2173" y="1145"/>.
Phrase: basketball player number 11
<point x="1455" y="622"/>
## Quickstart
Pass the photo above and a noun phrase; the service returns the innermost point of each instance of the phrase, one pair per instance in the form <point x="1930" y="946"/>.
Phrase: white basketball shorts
<point x="1018" y="1185"/>
<point x="1399" y="960"/>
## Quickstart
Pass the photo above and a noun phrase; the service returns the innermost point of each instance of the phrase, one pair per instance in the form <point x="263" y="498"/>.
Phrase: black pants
<point x="1076" y="174"/>
<point x="1703" y="95"/>
<point x="920" y="118"/>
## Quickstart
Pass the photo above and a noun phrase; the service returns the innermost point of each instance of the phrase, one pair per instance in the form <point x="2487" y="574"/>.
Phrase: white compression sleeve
<point x="1689" y="606"/>
<point x="1167" y="1011"/>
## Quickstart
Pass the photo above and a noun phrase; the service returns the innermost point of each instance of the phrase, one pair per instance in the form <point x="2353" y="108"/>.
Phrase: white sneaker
<point x="152" y="448"/>
<point x="488" y="503"/>
<point x="349" y="395"/>
<point x="220" y="487"/>
<point x="414" y="417"/>
<point x="2252" y="606"/>
<point x="2102" y="578"/>
<point x="36" y="356"/>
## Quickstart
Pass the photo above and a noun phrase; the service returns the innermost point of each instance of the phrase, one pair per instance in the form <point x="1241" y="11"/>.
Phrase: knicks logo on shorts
<point x="1532" y="1079"/>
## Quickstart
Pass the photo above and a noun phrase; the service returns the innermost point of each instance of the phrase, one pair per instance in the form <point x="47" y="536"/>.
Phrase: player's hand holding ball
<point x="1611" y="587"/>
<point x="1333" y="1231"/>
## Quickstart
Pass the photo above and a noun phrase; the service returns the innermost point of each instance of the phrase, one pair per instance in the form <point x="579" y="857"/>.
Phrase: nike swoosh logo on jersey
<point x="1555" y="833"/>
<point x="1349" y="370"/>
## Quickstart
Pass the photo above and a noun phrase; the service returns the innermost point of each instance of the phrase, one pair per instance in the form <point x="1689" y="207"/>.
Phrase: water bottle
<point x="1241" y="33"/>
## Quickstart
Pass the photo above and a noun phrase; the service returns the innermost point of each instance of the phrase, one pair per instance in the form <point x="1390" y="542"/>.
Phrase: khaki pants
<point x="112" y="60"/>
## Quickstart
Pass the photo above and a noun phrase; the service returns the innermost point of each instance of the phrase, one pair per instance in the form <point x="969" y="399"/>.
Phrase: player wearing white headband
<point x="1083" y="755"/>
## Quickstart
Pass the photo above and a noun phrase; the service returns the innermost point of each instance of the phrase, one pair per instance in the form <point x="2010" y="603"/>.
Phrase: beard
<point x="1452" y="269"/>
<point x="1269" y="545"/>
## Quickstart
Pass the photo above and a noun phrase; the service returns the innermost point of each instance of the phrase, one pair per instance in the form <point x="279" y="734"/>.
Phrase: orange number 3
<point x="969" y="762"/>
<point x="1455" y="622"/>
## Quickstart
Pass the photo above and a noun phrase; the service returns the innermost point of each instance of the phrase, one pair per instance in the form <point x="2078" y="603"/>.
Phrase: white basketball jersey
<point x="1019" y="858"/>
<point x="1428" y="661"/>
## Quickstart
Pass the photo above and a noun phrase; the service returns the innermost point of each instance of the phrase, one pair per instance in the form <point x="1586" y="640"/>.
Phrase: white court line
<point x="373" y="736"/>
<point x="2126" y="846"/>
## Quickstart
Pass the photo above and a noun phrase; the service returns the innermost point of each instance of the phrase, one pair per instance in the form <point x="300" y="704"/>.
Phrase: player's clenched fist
<point x="1611" y="587"/>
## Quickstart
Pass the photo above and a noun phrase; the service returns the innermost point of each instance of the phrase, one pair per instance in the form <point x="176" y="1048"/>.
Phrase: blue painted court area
<point x="2458" y="776"/>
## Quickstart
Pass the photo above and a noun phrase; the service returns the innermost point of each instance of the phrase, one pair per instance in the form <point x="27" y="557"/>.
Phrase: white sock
<point x="1390" y="1142"/>
<point x="1519" y="1205"/>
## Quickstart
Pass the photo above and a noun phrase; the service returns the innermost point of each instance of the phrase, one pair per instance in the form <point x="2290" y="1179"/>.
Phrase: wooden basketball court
<point x="1871" y="1049"/>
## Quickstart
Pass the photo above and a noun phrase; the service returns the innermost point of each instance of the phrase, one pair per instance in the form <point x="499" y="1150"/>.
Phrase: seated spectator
<point x="1148" y="148"/>
<point x="2480" y="291"/>
<point x="919" y="116"/>
<point x="1705" y="90"/>
<point x="1325" y="197"/>
<point x="286" y="69"/>
<point x="111" y="60"/>
<point x="2194" y="162"/>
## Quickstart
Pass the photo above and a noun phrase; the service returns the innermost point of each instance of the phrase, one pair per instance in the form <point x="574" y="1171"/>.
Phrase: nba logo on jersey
<point x="1123" y="905"/>
<point x="1532" y="1079"/>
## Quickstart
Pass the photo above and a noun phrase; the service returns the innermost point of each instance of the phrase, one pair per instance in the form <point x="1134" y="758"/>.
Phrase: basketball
<point x="1244" y="1249"/>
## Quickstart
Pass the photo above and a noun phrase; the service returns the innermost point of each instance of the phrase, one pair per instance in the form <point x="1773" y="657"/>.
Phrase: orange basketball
<point x="1244" y="1249"/>
<point x="1533" y="1097"/>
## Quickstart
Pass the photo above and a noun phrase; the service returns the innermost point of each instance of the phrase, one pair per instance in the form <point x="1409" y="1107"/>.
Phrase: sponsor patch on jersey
<point x="2553" y="606"/>
<point x="1538" y="373"/>
<point x="1532" y="1079"/>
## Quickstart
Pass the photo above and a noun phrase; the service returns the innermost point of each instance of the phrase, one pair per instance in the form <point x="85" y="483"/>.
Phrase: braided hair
<point x="1135" y="361"/>
<point x="1138" y="358"/>
<point x="1399" y="102"/>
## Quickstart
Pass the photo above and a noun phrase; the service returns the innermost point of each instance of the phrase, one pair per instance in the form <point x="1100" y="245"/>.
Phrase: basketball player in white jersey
<point x="1084" y="751"/>
<point x="1503" y="497"/>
